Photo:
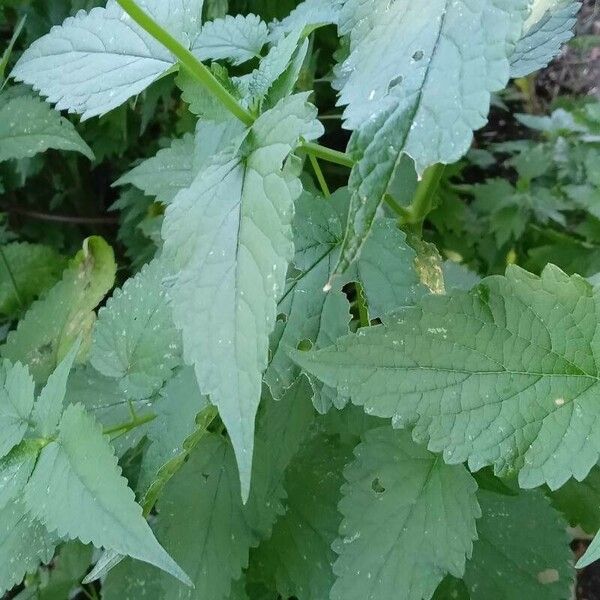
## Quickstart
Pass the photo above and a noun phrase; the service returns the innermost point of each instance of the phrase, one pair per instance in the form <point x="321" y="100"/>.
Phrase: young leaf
<point x="307" y="16"/>
<point x="173" y="169"/>
<point x="76" y="490"/>
<point x="506" y="530"/>
<point x="386" y="270"/>
<point x="15" y="469"/>
<point x="16" y="402"/>
<point x="299" y="553"/>
<point x="504" y="375"/>
<point x="409" y="519"/>
<point x="24" y="543"/>
<point x="402" y="55"/>
<point x="27" y="271"/>
<point x="235" y="39"/>
<point x="545" y="33"/>
<point x="49" y="405"/>
<point x="95" y="61"/>
<point x="135" y="340"/>
<point x="228" y="238"/>
<point x="28" y="126"/>
<point x="52" y="324"/>
<point x="257" y="84"/>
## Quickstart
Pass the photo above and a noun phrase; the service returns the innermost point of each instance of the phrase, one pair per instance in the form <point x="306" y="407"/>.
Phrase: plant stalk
<point x="423" y="200"/>
<point x="195" y="67"/>
<point x="204" y="76"/>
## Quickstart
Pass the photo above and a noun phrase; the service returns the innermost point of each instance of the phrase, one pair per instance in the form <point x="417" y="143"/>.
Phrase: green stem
<point x="204" y="76"/>
<point x="320" y="177"/>
<point x="12" y="277"/>
<point x="125" y="427"/>
<point x="423" y="200"/>
<point x="200" y="72"/>
<point x="327" y="154"/>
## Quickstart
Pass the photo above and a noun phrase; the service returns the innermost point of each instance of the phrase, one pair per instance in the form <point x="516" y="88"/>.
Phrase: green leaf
<point x="504" y="375"/>
<point x="15" y="469"/>
<point x="309" y="314"/>
<point x="522" y="550"/>
<point x="229" y="240"/>
<point x="24" y="543"/>
<point x="549" y="26"/>
<point x="48" y="407"/>
<point x="76" y="490"/>
<point x="174" y="431"/>
<point x="386" y="270"/>
<point x="579" y="501"/>
<point x="50" y="327"/>
<point x="298" y="554"/>
<point x="130" y="580"/>
<point x="307" y="16"/>
<point x="402" y="55"/>
<point x="28" y="126"/>
<point x="135" y="340"/>
<point x="173" y="169"/>
<point x="26" y="271"/>
<point x="257" y="84"/>
<point x="16" y="402"/>
<point x="202" y="520"/>
<point x="235" y="39"/>
<point x="409" y="519"/>
<point x="459" y="277"/>
<point x="118" y="58"/>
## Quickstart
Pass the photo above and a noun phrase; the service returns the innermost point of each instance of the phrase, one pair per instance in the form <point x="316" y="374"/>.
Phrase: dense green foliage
<point x="246" y="356"/>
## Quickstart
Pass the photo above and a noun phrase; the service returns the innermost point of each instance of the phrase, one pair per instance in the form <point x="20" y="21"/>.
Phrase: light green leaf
<point x="308" y="313"/>
<point x="504" y="375"/>
<point x="28" y="126"/>
<point x="307" y="16"/>
<point x="409" y="519"/>
<point x="402" y="54"/>
<point x="229" y="240"/>
<point x="16" y="402"/>
<point x="118" y="58"/>
<point x="174" y="431"/>
<point x="76" y="490"/>
<point x="50" y="327"/>
<point x="24" y="543"/>
<point x="103" y="398"/>
<point x="549" y="26"/>
<point x="15" y="469"/>
<point x="298" y="554"/>
<point x="135" y="340"/>
<point x="579" y="501"/>
<point x="173" y="169"/>
<point x="31" y="269"/>
<point x="257" y="84"/>
<point x="386" y="270"/>
<point x="235" y="39"/>
<point x="523" y="550"/>
<point x="49" y="405"/>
